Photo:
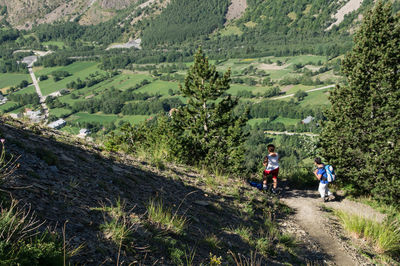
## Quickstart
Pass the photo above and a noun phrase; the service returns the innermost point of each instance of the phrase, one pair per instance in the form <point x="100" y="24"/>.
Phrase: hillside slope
<point x="67" y="181"/>
<point x="24" y="14"/>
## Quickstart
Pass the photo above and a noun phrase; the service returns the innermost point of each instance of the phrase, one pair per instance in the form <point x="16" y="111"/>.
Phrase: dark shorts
<point x="274" y="173"/>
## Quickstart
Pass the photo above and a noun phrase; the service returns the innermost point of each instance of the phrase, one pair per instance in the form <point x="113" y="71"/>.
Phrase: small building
<point x="57" y="124"/>
<point x="3" y="99"/>
<point x="307" y="120"/>
<point x="16" y="116"/>
<point x="34" y="116"/>
<point x="83" y="132"/>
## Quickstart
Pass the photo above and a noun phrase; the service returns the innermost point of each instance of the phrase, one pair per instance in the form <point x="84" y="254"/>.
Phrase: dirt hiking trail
<point x="328" y="234"/>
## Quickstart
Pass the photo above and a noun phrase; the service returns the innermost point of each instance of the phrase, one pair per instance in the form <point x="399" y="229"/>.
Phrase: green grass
<point x="254" y="121"/>
<point x="11" y="79"/>
<point x="315" y="98"/>
<point x="235" y="88"/>
<point x="21" y="243"/>
<point x="59" y="44"/>
<point x="77" y="70"/>
<point x="86" y="117"/>
<point x="231" y="30"/>
<point x="7" y="105"/>
<point x="71" y="130"/>
<point x="125" y="81"/>
<point x="27" y="90"/>
<point x="159" y="86"/>
<point x="60" y="112"/>
<point x="298" y="87"/>
<point x="133" y="119"/>
<point x="164" y="218"/>
<point x="117" y="226"/>
<point x="286" y="121"/>
<point x="384" y="237"/>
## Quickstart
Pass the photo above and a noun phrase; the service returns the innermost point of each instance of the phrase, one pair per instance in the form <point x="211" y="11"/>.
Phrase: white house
<point x="3" y="99"/>
<point x="307" y="120"/>
<point x="84" y="132"/>
<point x="34" y="116"/>
<point x="57" y="124"/>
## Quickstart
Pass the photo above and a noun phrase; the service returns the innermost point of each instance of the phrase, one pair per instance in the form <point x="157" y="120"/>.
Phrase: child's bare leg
<point x="264" y="180"/>
<point x="275" y="182"/>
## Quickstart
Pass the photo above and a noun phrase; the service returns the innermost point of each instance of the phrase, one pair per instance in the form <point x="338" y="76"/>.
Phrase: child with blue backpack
<point x="322" y="175"/>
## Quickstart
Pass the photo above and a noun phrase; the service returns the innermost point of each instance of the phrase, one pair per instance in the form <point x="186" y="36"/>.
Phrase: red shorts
<point x="274" y="173"/>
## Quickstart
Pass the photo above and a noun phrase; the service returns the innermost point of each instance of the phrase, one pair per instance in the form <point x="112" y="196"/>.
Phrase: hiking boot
<point x="331" y="197"/>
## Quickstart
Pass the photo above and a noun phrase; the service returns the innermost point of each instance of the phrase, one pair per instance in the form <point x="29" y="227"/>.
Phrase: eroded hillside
<point x="68" y="181"/>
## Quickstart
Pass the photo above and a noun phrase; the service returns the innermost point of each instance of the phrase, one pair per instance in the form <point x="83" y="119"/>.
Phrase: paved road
<point x="291" y="133"/>
<point x="39" y="92"/>
<point x="316" y="89"/>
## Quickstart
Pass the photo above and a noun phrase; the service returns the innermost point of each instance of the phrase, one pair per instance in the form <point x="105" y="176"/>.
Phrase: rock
<point x="65" y="158"/>
<point x="202" y="203"/>
<point x="53" y="168"/>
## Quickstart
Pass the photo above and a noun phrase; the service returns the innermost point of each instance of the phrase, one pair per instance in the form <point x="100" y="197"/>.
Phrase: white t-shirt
<point x="273" y="162"/>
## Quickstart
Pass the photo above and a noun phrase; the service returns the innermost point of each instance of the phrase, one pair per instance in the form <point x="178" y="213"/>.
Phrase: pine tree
<point x="214" y="136"/>
<point x="362" y="134"/>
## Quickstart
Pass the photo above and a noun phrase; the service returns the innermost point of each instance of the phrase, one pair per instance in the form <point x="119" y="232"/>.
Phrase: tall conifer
<point x="362" y="134"/>
<point x="213" y="133"/>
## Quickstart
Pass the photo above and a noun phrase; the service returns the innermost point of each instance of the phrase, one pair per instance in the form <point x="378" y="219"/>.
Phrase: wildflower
<point x="2" y="140"/>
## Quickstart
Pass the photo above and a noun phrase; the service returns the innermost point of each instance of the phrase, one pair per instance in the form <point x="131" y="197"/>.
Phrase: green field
<point x="126" y="81"/>
<point x="316" y="98"/>
<point x="77" y="70"/>
<point x="133" y="119"/>
<point x="298" y="87"/>
<point x="231" y="30"/>
<point x="59" y="44"/>
<point x="235" y="88"/>
<point x="60" y="112"/>
<point x="254" y="121"/>
<point x="71" y="130"/>
<point x="11" y="80"/>
<point x="286" y="121"/>
<point x="86" y="117"/>
<point x="159" y="86"/>
<point x="27" y="90"/>
<point x="7" y="105"/>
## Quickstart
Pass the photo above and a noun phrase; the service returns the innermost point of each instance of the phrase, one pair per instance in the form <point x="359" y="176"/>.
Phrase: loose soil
<point x="236" y="9"/>
<point x="323" y="230"/>
<point x="346" y="9"/>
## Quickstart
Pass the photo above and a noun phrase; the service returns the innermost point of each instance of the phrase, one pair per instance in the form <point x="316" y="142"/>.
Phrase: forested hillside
<point x="183" y="20"/>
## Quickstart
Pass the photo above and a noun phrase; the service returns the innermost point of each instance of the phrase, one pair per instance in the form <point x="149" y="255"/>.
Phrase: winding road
<point x="316" y="89"/>
<point x="291" y="133"/>
<point x="39" y="93"/>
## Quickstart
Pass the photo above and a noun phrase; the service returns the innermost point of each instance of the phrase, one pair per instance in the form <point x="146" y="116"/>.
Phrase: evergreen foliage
<point x="362" y="134"/>
<point x="214" y="134"/>
<point x="183" y="20"/>
<point x="205" y="132"/>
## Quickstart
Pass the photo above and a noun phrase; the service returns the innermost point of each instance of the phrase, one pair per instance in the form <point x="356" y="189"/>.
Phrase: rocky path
<point x="317" y="225"/>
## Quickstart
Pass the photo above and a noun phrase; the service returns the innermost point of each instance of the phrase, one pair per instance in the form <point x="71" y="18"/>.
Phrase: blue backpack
<point x="330" y="173"/>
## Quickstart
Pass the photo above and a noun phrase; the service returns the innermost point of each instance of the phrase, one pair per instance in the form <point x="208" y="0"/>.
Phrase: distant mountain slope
<point x="25" y="13"/>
